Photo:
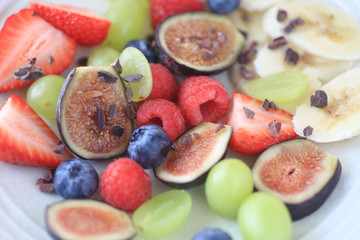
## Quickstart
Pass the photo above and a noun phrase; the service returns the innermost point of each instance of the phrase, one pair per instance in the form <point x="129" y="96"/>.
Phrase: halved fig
<point x="194" y="154"/>
<point x="88" y="219"/>
<point x="298" y="173"/>
<point x="198" y="43"/>
<point x="90" y="113"/>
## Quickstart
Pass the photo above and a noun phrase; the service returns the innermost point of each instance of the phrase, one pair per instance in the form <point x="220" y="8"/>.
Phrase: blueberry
<point x="145" y="47"/>
<point x="212" y="234"/>
<point x="76" y="178"/>
<point x="223" y="6"/>
<point x="149" y="146"/>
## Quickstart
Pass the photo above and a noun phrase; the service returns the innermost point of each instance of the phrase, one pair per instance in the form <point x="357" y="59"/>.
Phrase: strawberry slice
<point x="25" y="36"/>
<point x="25" y="139"/>
<point x="87" y="28"/>
<point x="254" y="128"/>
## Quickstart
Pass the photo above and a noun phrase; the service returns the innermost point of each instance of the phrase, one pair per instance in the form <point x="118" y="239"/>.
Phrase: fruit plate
<point x="22" y="205"/>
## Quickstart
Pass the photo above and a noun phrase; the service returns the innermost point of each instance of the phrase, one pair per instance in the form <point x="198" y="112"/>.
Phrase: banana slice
<point x="241" y="84"/>
<point x="258" y="5"/>
<point x="269" y="61"/>
<point x="252" y="24"/>
<point x="326" y="31"/>
<point x="338" y="120"/>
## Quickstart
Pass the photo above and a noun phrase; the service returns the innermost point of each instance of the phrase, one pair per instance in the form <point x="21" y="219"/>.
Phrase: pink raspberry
<point x="163" y="113"/>
<point x="202" y="98"/>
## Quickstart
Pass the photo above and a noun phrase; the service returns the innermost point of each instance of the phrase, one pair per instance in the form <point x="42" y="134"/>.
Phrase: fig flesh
<point x="198" y="43"/>
<point x="298" y="173"/>
<point x="194" y="154"/>
<point x="88" y="219"/>
<point x="90" y="113"/>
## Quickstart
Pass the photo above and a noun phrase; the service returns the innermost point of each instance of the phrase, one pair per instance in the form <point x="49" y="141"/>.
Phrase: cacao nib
<point x="117" y="66"/>
<point x="266" y="104"/>
<point x="133" y="78"/>
<point x="106" y="77"/>
<point x="247" y="73"/>
<point x="112" y="111"/>
<point x="100" y="118"/>
<point x="128" y="93"/>
<point x="32" y="60"/>
<point x="46" y="183"/>
<point x="117" y="131"/>
<point x="50" y="59"/>
<point x="275" y="128"/>
<point x="249" y="113"/>
<point x="196" y="135"/>
<point x="130" y="111"/>
<point x="219" y="127"/>
<point x="246" y="56"/>
<point x="277" y="42"/>
<point x="308" y="131"/>
<point x="291" y="56"/>
<point x="319" y="99"/>
<point x="273" y="105"/>
<point x="186" y="140"/>
<point x="282" y="15"/>
<point x="28" y="73"/>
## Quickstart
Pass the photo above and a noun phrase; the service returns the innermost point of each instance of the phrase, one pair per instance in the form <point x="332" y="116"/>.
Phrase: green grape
<point x="127" y="23"/>
<point x="133" y="61"/>
<point x="263" y="216"/>
<point x="229" y="182"/>
<point x="162" y="214"/>
<point x="103" y="56"/>
<point x="281" y="87"/>
<point x="43" y="95"/>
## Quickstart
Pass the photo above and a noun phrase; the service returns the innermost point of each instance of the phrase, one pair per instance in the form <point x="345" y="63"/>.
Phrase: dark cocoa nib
<point x="186" y="140"/>
<point x="281" y="15"/>
<point x="106" y="77"/>
<point x="308" y="131"/>
<point x="246" y="56"/>
<point x="319" y="99"/>
<point x="32" y="60"/>
<point x="289" y="28"/>
<point x="273" y="105"/>
<point x="59" y="149"/>
<point x="50" y="59"/>
<point x="219" y="127"/>
<point x="82" y="62"/>
<point x="133" y="78"/>
<point x="46" y="183"/>
<point x="204" y="43"/>
<point x="112" y="111"/>
<point x="297" y="21"/>
<point x="247" y="73"/>
<point x="117" y="131"/>
<point x="128" y="93"/>
<point x="277" y="42"/>
<point x="117" y="66"/>
<point x="100" y="118"/>
<point x="208" y="54"/>
<point x="274" y="128"/>
<point x="266" y="104"/>
<point x="130" y="111"/>
<point x="196" y="135"/>
<point x="222" y="37"/>
<point x="291" y="56"/>
<point x="249" y="113"/>
<point x="174" y="147"/>
<point x="28" y="73"/>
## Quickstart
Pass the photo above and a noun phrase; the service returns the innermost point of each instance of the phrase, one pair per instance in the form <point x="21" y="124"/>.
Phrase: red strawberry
<point x="160" y="9"/>
<point x="87" y="28"/>
<point x="25" y="36"/>
<point x="254" y="135"/>
<point x="25" y="139"/>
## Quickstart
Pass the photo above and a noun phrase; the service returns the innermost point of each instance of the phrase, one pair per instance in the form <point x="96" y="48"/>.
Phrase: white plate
<point x="22" y="205"/>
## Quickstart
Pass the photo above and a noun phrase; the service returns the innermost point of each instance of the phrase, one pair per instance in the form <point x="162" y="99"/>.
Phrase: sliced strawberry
<point x="254" y="135"/>
<point x="25" y="139"/>
<point x="25" y="36"/>
<point x="87" y="28"/>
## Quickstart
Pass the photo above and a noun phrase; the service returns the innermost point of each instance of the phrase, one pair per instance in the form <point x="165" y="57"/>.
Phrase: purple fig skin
<point x="298" y="211"/>
<point x="174" y="65"/>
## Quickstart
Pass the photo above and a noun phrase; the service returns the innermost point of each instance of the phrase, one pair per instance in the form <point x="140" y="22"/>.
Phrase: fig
<point x="298" y="173"/>
<point x="90" y="113"/>
<point x="88" y="219"/>
<point x="193" y="154"/>
<point x="198" y="43"/>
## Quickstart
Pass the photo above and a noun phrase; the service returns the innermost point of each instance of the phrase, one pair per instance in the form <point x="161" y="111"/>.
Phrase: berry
<point x="163" y="113"/>
<point x="125" y="185"/>
<point x="25" y="36"/>
<point x="149" y="146"/>
<point x="87" y="28"/>
<point x="25" y="139"/>
<point x="212" y="234"/>
<point x="223" y="6"/>
<point x="76" y="178"/>
<point x="255" y="128"/>
<point x="161" y="9"/>
<point x="203" y="98"/>
<point x="165" y="84"/>
<point x="145" y="47"/>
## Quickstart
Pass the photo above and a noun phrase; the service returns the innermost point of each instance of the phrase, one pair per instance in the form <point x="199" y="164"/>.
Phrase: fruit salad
<point x="192" y="119"/>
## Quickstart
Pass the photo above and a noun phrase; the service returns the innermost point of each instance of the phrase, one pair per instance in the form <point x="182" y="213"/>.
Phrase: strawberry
<point x="25" y="139"/>
<point x="25" y="36"/>
<point x="161" y="9"/>
<point x="87" y="28"/>
<point x="255" y="128"/>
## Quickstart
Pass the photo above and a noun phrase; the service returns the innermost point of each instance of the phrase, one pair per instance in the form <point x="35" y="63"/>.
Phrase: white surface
<point x="22" y="205"/>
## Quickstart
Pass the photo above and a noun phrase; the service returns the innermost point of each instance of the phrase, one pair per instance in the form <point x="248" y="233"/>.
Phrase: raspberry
<point x="165" y="84"/>
<point x="125" y="185"/>
<point x="163" y="113"/>
<point x="203" y="98"/>
<point x="160" y="9"/>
